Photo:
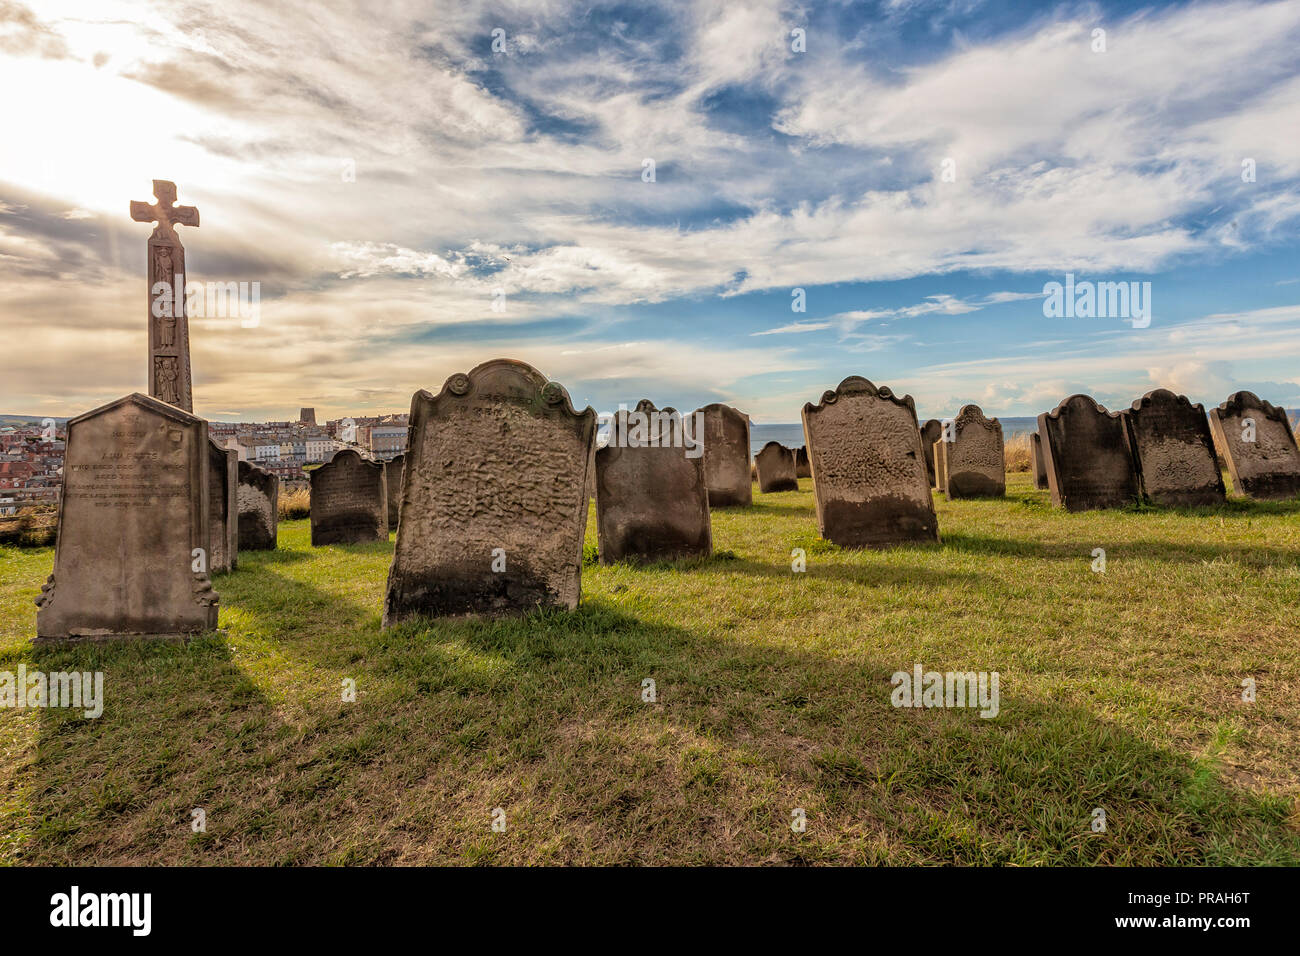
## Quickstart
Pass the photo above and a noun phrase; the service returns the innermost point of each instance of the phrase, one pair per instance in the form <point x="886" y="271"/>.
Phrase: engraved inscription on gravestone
<point x="1262" y="457"/>
<point x="349" y="500"/>
<point x="1174" y="451"/>
<point x="974" y="465"/>
<point x="1087" y="456"/>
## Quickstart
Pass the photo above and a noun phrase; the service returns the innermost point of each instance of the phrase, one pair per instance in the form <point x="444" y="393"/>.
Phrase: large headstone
<point x="776" y="471"/>
<point x="1174" y="451"/>
<point x="651" y="500"/>
<point x="1040" y="469"/>
<point x="494" y="504"/>
<point x="1087" y="456"/>
<point x="726" y="455"/>
<point x="258" y="500"/>
<point x="1258" y="445"/>
<point x="974" y="465"/>
<point x="393" y="470"/>
<point x="931" y="432"/>
<point x="349" y="500"/>
<point x="869" y="475"/>
<point x="223" y="507"/>
<point x="133" y="527"/>
<point x="802" y="467"/>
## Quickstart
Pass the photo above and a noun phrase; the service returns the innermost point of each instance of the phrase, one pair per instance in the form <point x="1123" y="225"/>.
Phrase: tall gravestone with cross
<point x="169" y="332"/>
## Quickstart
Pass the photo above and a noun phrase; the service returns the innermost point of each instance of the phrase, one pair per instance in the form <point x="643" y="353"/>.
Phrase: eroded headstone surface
<point x="1267" y="467"/>
<point x="349" y="500"/>
<point x="223" y="513"/>
<point x="393" y="470"/>
<point x="973" y="462"/>
<point x="651" y="500"/>
<point x="1171" y="442"/>
<point x="726" y="456"/>
<point x="776" y="470"/>
<point x="931" y="432"/>
<point x="869" y="474"/>
<point x="1040" y="470"/>
<point x="802" y="467"/>
<point x="494" y="503"/>
<point x="258" y="499"/>
<point x="1087" y="456"/>
<point x="130" y="560"/>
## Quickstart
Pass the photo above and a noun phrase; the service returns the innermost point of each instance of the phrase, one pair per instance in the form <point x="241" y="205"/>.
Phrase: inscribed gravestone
<point x="1174" y="450"/>
<point x="869" y="476"/>
<point x="1258" y="445"/>
<point x="776" y="471"/>
<point x="349" y="500"/>
<point x="974" y="465"/>
<point x="258" y="500"/>
<point x="223" y="507"/>
<point x="726" y="455"/>
<point x="130" y="560"/>
<point x="393" y="470"/>
<point x="931" y="432"/>
<point x="651" y="501"/>
<point x="1040" y="470"/>
<point x="1087" y="456"/>
<point x="494" y="504"/>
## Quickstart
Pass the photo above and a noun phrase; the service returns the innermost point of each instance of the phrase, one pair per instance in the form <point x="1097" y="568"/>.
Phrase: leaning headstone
<point x="1258" y="445"/>
<point x="1174" y="450"/>
<point x="802" y="468"/>
<point x="259" y="508"/>
<point x="131" y="556"/>
<point x="223" y="507"/>
<point x="974" y="464"/>
<point x="931" y="432"/>
<point x="1040" y="469"/>
<point x="726" y="455"/>
<point x="494" y="504"/>
<point x="869" y="476"/>
<point x="349" y="500"/>
<point x="651" y="500"/>
<point x="776" y="471"/>
<point x="1087" y="456"/>
<point x="393" y="469"/>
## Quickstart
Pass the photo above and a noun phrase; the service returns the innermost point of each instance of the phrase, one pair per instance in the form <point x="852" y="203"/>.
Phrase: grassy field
<point x="1120" y="690"/>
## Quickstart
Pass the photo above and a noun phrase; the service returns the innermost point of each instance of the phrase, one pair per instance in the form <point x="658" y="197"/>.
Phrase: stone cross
<point x="169" y="331"/>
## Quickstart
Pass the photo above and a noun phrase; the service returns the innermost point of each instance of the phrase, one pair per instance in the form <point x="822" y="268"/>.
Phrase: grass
<point x="1119" y="690"/>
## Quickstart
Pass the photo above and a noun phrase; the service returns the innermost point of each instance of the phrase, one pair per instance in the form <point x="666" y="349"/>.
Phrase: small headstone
<point x="726" y="455"/>
<point x="1174" y="450"/>
<point x="259" y="508"/>
<point x="494" y="504"/>
<point x="939" y="450"/>
<point x="974" y="465"/>
<point x="869" y="475"/>
<point x="1087" y="456"/>
<point x="131" y="558"/>
<point x="1040" y="470"/>
<point x="802" y="467"/>
<point x="349" y="500"/>
<point x="651" y="500"/>
<point x="776" y="471"/>
<point x="931" y="432"/>
<point x="223" y="507"/>
<point x="1258" y="445"/>
<point x="393" y="470"/>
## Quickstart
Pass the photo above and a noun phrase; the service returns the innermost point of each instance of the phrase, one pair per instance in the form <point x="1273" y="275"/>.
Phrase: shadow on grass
<point x="1253" y="556"/>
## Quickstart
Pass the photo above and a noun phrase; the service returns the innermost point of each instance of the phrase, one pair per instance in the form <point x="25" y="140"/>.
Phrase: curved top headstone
<point x="1087" y="455"/>
<point x="857" y="385"/>
<point x="1173" y="450"/>
<point x="1257" y="442"/>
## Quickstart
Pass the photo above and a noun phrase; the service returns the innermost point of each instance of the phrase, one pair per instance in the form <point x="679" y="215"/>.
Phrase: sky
<point x="421" y="187"/>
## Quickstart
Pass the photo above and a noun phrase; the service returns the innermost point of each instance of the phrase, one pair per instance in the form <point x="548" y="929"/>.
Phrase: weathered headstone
<point x="776" y="471"/>
<point x="131" y="556"/>
<point x="494" y="504"/>
<point x="1040" y="469"/>
<point x="1258" y="445"/>
<point x="169" y="329"/>
<point x="393" y="470"/>
<point x="223" y="507"/>
<point x="802" y="467"/>
<point x="931" y="432"/>
<point x="974" y="465"/>
<point x="726" y="455"/>
<point x="349" y="500"/>
<point x="939" y="450"/>
<point x="1087" y="456"/>
<point x="259" y="508"/>
<point x="869" y="475"/>
<point x="1174" y="451"/>
<point x="651" y="500"/>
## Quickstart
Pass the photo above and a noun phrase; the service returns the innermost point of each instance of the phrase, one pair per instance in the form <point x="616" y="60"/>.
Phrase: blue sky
<point x="499" y="205"/>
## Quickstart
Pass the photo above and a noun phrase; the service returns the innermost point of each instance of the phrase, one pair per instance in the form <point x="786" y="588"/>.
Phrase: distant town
<point x="32" y="449"/>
